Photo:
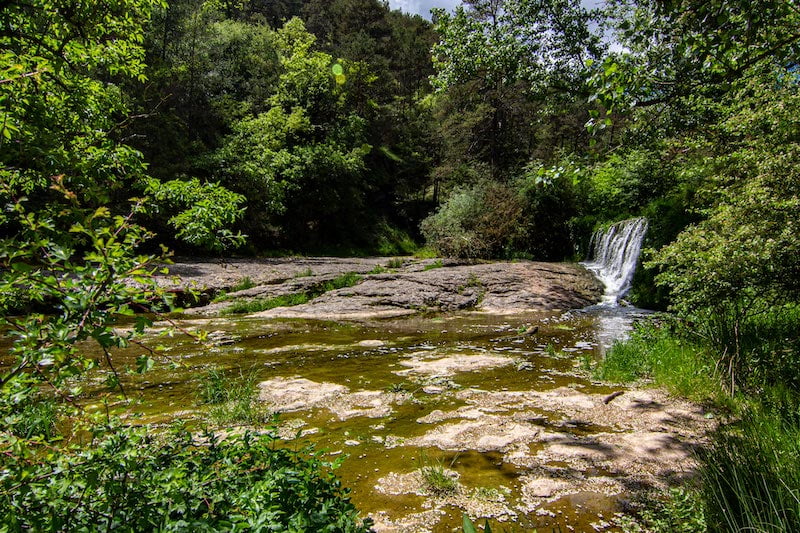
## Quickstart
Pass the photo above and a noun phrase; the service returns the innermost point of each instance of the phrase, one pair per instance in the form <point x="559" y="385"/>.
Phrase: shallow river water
<point x="468" y="395"/>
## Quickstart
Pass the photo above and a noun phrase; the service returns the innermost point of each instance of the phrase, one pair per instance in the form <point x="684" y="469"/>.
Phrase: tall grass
<point x="751" y="474"/>
<point x="754" y="348"/>
<point x="654" y="353"/>
<point x="233" y="399"/>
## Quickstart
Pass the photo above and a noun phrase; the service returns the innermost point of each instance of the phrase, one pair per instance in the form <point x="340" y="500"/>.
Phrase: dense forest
<point x="505" y="129"/>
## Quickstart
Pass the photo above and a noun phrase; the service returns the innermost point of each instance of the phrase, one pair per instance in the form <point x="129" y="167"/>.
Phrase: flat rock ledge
<point x="389" y="287"/>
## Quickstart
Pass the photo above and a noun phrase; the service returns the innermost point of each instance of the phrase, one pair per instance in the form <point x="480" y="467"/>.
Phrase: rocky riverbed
<point x="479" y="371"/>
<point x="388" y="287"/>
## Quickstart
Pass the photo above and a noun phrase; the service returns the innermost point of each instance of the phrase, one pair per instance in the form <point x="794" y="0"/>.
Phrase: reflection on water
<point x="613" y="323"/>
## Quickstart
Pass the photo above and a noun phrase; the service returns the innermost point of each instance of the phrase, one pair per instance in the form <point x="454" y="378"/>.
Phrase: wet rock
<point x="423" y="522"/>
<point x="544" y="487"/>
<point x="447" y="366"/>
<point x="488" y="433"/>
<point x="295" y="394"/>
<point x="371" y="343"/>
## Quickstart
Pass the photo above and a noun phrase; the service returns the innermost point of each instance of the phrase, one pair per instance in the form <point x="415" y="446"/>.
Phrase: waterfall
<point x="614" y="254"/>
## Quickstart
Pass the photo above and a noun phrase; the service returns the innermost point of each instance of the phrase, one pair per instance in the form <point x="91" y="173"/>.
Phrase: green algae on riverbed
<point x="515" y="417"/>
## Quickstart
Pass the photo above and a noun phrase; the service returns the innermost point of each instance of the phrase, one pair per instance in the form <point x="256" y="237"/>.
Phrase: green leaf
<point x="468" y="526"/>
<point x="144" y="363"/>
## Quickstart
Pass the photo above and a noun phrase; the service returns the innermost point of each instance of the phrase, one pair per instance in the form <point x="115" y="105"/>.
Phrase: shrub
<point x="129" y="481"/>
<point x="475" y="222"/>
<point x="34" y="418"/>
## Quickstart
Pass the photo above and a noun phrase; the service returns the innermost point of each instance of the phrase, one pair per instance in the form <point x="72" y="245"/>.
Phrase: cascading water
<point x="615" y="252"/>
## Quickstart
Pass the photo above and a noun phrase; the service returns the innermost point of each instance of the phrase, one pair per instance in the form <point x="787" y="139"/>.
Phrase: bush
<point x="475" y="222"/>
<point x="129" y="481"/>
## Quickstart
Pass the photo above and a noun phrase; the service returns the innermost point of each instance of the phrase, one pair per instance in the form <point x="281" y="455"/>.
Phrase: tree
<point x="681" y="49"/>
<point x="69" y="270"/>
<point x="506" y="52"/>
<point x="301" y="163"/>
<point x="742" y="260"/>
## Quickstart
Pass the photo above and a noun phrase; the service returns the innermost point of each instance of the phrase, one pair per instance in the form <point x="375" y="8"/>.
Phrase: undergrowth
<point x="677" y="511"/>
<point x="37" y="417"/>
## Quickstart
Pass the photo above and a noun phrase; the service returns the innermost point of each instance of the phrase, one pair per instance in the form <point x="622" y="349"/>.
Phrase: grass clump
<point x="257" y="305"/>
<point x="243" y="284"/>
<point x="340" y="282"/>
<point x="436" y="264"/>
<point x="212" y="387"/>
<point x="233" y="399"/>
<point x="304" y="273"/>
<point x="654" y="353"/>
<point x="395" y="262"/>
<point x="264" y="304"/>
<point x="436" y="479"/>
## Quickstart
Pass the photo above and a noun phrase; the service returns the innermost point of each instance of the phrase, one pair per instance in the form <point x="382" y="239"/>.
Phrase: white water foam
<point x="615" y="253"/>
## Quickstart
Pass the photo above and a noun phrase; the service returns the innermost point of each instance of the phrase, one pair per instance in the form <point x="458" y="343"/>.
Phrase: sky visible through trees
<point x="423" y="7"/>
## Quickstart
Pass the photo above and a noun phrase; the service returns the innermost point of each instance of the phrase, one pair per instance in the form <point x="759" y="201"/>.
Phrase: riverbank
<point x="381" y="287"/>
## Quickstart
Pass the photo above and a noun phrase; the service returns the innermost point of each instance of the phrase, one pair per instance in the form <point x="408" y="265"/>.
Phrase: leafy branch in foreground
<point x="132" y="481"/>
<point x="70" y="272"/>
